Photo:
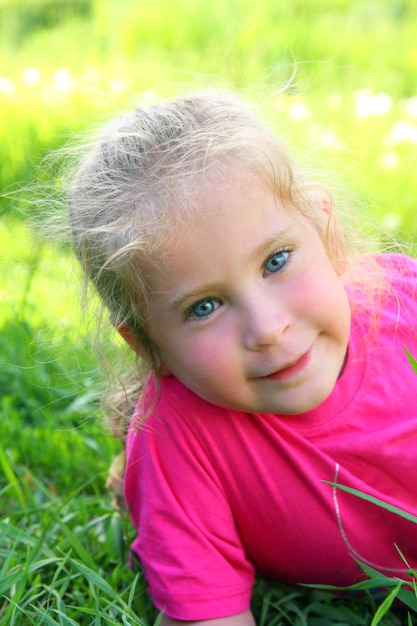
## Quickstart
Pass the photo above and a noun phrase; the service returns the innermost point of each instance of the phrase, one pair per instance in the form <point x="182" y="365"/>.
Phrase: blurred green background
<point x="339" y="77"/>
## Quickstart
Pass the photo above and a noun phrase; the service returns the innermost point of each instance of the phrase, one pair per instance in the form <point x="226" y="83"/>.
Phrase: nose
<point x="265" y="322"/>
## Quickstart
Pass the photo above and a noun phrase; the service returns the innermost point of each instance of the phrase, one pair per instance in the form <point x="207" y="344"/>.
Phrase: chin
<point x="306" y="406"/>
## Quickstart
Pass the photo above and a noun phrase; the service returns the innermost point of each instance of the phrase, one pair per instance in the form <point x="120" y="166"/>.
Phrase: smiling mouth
<point x="292" y="369"/>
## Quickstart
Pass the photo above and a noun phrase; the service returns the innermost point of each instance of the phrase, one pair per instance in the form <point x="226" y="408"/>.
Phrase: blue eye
<point x="204" y="308"/>
<point x="276" y="261"/>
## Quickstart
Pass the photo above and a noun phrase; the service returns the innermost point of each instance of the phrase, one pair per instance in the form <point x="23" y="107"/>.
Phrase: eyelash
<point x="287" y="250"/>
<point x="190" y="312"/>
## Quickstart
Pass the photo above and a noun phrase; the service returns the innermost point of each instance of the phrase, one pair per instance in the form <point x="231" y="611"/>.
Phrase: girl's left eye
<point x="276" y="261"/>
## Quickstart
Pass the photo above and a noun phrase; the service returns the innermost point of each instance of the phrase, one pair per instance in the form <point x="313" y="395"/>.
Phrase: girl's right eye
<point x="203" y="308"/>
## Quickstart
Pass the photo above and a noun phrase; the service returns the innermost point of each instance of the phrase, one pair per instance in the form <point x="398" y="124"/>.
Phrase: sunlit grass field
<point x="337" y="78"/>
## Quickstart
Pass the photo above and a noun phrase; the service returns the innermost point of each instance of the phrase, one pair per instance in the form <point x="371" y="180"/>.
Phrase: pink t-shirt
<point x="219" y="495"/>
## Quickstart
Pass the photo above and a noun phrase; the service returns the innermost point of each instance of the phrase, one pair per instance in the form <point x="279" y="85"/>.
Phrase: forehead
<point x="225" y="228"/>
<point x="219" y="209"/>
<point x="234" y="201"/>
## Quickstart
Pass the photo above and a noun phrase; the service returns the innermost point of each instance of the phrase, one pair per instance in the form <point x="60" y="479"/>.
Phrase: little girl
<point x="270" y="360"/>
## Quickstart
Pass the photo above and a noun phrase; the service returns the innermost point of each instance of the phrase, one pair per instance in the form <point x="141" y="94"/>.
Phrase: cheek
<point x="312" y="290"/>
<point x="214" y="362"/>
<point x="210" y="353"/>
<point x="199" y="355"/>
<point x="320" y="293"/>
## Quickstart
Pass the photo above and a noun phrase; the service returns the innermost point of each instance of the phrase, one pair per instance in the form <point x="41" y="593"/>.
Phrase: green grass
<point x="67" y="66"/>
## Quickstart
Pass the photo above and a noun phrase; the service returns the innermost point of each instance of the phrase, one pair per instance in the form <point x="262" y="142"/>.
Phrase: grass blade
<point x="385" y="606"/>
<point x="373" y="500"/>
<point x="411" y="359"/>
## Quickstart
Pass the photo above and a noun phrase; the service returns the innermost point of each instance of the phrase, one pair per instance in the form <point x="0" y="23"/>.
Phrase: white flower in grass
<point x="118" y="86"/>
<point x="391" y="222"/>
<point x="382" y="103"/>
<point x="7" y="86"/>
<point x="411" y="107"/>
<point x="403" y="132"/>
<point x="390" y="160"/>
<point x="328" y="138"/>
<point x="298" y="111"/>
<point x="31" y="76"/>
<point x="62" y="80"/>
<point x="149" y="97"/>
<point x="372" y="104"/>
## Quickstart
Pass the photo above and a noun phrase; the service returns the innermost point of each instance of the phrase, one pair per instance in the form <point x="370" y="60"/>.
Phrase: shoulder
<point x="388" y="280"/>
<point x="394" y="311"/>
<point x="400" y="273"/>
<point x="384" y="304"/>
<point x="170" y="414"/>
<point x="174" y="402"/>
<point x="172" y="441"/>
<point x="397" y="265"/>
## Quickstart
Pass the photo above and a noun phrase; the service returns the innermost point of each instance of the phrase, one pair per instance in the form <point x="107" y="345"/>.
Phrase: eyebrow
<point x="274" y="240"/>
<point x="213" y="286"/>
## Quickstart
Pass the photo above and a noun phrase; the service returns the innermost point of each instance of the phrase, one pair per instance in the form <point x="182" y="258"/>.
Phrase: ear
<point x="138" y="347"/>
<point x="334" y="237"/>
<point x="322" y="202"/>
<point x="130" y="339"/>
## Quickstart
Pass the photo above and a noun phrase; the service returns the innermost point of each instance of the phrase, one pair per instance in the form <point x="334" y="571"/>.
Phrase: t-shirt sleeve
<point x="187" y="542"/>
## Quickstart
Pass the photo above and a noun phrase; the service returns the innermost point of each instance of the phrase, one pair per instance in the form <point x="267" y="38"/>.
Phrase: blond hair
<point x="142" y="180"/>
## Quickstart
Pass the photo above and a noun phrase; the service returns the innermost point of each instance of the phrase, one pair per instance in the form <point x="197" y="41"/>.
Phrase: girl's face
<point x="247" y="309"/>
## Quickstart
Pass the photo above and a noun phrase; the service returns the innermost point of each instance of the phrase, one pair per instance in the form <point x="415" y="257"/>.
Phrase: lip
<point x="293" y="368"/>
